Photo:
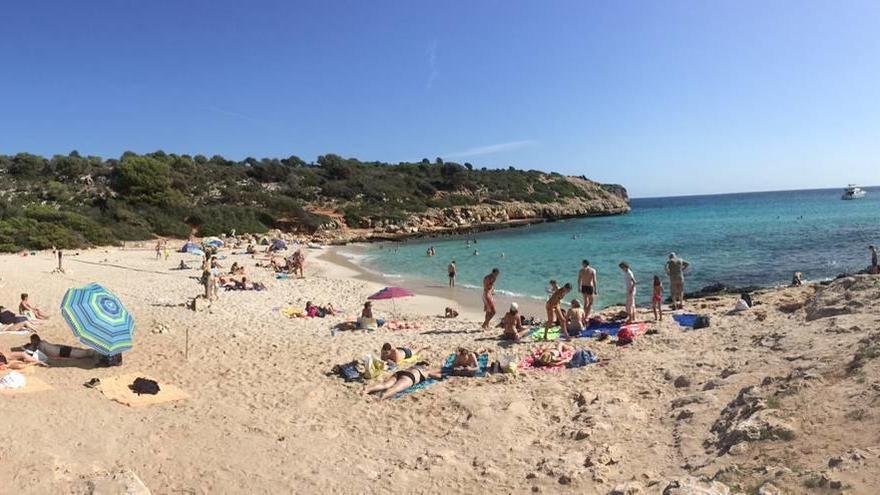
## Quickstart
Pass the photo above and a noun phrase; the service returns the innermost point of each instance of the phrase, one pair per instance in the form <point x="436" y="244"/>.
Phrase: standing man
<point x="589" y="286"/>
<point x="629" y="281"/>
<point x="452" y="272"/>
<point x="875" y="268"/>
<point x="675" y="268"/>
<point x="488" y="296"/>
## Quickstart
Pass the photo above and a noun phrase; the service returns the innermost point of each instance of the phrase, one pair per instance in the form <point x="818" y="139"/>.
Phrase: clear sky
<point x="666" y="97"/>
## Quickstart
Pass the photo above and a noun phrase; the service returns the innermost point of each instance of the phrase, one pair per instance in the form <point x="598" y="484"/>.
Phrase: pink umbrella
<point x="391" y="293"/>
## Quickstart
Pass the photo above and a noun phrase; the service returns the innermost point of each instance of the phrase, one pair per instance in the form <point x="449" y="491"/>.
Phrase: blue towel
<point x="686" y="320"/>
<point x="482" y="360"/>
<point x="609" y="327"/>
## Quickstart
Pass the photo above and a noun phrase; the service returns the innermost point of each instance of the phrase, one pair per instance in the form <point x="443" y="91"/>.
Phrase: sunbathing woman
<point x="17" y="361"/>
<point x="555" y="356"/>
<point x="403" y="380"/>
<point x="396" y="354"/>
<point x="512" y="323"/>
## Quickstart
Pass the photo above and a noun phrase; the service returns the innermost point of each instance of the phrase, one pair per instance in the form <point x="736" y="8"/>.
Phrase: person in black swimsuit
<point x="403" y="380"/>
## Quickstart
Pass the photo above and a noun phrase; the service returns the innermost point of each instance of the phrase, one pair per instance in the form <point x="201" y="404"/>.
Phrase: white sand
<point x="263" y="417"/>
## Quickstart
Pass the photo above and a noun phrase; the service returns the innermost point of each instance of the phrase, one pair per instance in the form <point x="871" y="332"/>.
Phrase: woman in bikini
<point x="512" y="324"/>
<point x="403" y="380"/>
<point x="555" y="356"/>
<point x="18" y="360"/>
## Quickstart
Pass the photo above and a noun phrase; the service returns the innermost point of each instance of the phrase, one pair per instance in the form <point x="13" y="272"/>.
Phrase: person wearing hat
<point x="512" y="324"/>
<point x="675" y="268"/>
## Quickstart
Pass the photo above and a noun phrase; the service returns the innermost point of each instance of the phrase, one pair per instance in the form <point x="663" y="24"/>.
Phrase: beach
<point x="781" y="395"/>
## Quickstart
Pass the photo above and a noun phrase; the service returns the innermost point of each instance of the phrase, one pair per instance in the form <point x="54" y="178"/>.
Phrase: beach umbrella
<point x="98" y="319"/>
<point x="189" y="245"/>
<point x="213" y="242"/>
<point x="391" y="293"/>
<point x="196" y="251"/>
<point x="278" y="245"/>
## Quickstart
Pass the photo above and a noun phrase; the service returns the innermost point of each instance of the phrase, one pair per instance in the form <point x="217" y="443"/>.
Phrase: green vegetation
<point x="74" y="201"/>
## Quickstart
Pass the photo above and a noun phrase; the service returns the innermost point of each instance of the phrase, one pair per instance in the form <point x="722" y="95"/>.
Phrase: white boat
<point x="853" y="192"/>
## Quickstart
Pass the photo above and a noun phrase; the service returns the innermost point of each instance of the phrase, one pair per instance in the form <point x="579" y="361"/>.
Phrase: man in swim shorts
<point x="451" y="271"/>
<point x="488" y="296"/>
<point x="588" y="285"/>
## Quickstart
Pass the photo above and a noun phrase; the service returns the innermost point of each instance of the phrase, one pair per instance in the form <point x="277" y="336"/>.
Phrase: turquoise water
<point x="735" y="239"/>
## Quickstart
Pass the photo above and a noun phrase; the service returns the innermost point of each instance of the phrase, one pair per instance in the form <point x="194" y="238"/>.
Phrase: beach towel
<point x="529" y="362"/>
<point x="281" y="276"/>
<point x="482" y="360"/>
<point x="117" y="389"/>
<point x="686" y="320"/>
<point x="537" y="334"/>
<point x="595" y="329"/>
<point x="22" y="384"/>
<point x="638" y="329"/>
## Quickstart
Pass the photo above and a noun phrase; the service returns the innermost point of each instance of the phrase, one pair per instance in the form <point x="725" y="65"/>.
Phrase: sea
<point x="747" y="239"/>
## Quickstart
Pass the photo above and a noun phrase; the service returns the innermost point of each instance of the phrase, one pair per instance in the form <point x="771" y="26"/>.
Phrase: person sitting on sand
<point x="403" y="380"/>
<point x="251" y="249"/>
<point x="554" y="310"/>
<point x="451" y="313"/>
<point x="367" y="312"/>
<point x="58" y="351"/>
<point x="25" y="307"/>
<point x="554" y="356"/>
<point x="182" y="265"/>
<point x="512" y="324"/>
<point x="18" y="360"/>
<point x="576" y="318"/>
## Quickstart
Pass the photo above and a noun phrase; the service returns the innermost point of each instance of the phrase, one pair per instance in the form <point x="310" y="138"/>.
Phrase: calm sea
<point x="735" y="239"/>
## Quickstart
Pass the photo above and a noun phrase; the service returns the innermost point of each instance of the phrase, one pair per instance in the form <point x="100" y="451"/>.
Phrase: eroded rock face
<point x="597" y="199"/>
<point x="747" y="419"/>
<point x="842" y="296"/>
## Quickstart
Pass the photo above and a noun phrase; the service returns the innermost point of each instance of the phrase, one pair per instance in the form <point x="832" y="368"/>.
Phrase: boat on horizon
<point x="853" y="192"/>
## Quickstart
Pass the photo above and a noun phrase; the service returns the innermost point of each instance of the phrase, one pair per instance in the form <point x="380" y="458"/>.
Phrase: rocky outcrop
<point x="596" y="200"/>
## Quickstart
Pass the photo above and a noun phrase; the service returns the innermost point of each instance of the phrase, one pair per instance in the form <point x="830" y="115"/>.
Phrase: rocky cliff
<point x="596" y="200"/>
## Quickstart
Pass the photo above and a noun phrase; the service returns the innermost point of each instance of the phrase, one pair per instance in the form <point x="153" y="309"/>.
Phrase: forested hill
<point x="75" y="201"/>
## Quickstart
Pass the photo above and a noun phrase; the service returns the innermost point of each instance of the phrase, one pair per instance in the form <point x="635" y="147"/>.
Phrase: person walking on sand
<point x="675" y="268"/>
<point x="158" y="250"/>
<point x="629" y="281"/>
<point x="489" y="296"/>
<point x="451" y="271"/>
<point x="589" y="285"/>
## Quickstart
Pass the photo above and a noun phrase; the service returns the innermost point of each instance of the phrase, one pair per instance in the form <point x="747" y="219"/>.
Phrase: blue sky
<point x="667" y="98"/>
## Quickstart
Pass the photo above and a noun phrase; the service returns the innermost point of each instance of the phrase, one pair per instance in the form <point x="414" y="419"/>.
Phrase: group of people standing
<point x="588" y="285"/>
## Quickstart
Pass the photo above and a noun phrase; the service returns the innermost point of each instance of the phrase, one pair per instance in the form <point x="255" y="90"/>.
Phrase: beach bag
<point x="349" y="372"/>
<point x="373" y="368"/>
<point x="702" y="321"/>
<point x="624" y="336"/>
<point x="144" y="386"/>
<point x="107" y="361"/>
<point x="581" y="358"/>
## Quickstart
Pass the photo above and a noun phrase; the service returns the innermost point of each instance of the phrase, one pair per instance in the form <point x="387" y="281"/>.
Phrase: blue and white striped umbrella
<point x="98" y="319"/>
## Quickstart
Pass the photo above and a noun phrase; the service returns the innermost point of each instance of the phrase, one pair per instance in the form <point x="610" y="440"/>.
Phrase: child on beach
<point x="657" y="299"/>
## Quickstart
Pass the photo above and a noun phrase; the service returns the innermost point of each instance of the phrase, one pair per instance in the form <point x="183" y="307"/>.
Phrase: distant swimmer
<point x="476" y="253"/>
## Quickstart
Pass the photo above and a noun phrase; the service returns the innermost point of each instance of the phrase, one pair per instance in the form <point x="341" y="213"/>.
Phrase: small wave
<point x="391" y="275"/>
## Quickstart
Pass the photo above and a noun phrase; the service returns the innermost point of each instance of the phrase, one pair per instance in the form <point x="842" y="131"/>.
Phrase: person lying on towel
<point x="58" y="351"/>
<point x="554" y="356"/>
<point x="403" y="380"/>
<point x="17" y="361"/>
<point x="465" y="363"/>
<point x="395" y="355"/>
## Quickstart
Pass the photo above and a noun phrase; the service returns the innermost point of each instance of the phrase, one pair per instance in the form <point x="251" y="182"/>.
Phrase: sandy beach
<point x="780" y="397"/>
